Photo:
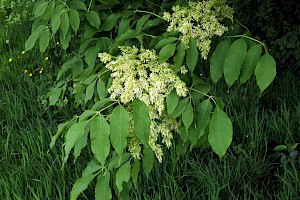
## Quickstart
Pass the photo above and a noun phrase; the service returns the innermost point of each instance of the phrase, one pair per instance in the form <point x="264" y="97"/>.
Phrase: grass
<point x="250" y="169"/>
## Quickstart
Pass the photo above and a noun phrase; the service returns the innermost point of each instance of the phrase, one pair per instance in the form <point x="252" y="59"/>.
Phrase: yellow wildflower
<point x="46" y="58"/>
<point x="25" y="71"/>
<point x="30" y="75"/>
<point x="23" y="52"/>
<point x="57" y="43"/>
<point x="10" y="60"/>
<point x="41" y="71"/>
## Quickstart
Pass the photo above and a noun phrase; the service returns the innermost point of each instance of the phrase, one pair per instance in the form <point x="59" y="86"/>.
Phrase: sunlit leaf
<point x="99" y="134"/>
<point x="119" y="127"/>
<point x="220" y="132"/>
<point x="142" y="121"/>
<point x="234" y="60"/>
<point x="102" y="189"/>
<point x="192" y="55"/>
<point x="252" y="57"/>
<point x="123" y="175"/>
<point x="217" y="60"/>
<point x="265" y="71"/>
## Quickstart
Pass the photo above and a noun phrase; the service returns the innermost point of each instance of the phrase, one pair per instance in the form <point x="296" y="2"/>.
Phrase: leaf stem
<point x="250" y="38"/>
<point x="90" y="5"/>
<point x="143" y="11"/>
<point x="208" y="96"/>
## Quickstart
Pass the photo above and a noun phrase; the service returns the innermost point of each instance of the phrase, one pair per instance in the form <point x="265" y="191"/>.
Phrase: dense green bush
<point x="150" y="89"/>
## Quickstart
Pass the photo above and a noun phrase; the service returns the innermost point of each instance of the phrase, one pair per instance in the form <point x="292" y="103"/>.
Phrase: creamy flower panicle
<point x="201" y="21"/>
<point x="137" y="74"/>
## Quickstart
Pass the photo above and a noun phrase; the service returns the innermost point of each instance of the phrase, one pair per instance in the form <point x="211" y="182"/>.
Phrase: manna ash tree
<point x="138" y="77"/>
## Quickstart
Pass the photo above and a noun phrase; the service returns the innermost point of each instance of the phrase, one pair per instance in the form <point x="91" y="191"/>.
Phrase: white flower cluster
<point x="201" y="21"/>
<point x="137" y="74"/>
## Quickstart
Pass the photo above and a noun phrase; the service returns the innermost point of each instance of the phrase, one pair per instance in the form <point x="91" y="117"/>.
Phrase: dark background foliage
<point x="276" y="22"/>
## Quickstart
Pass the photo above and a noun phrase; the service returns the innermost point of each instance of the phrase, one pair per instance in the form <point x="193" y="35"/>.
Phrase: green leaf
<point x="180" y="107"/>
<point x="80" y="144"/>
<point x="29" y="44"/>
<point x="90" y="79"/>
<point x="54" y="95"/>
<point x="123" y="175"/>
<point x="104" y="43"/>
<point x="81" y="185"/>
<point x="74" y="20"/>
<point x="142" y="121"/>
<point x="203" y="111"/>
<point x="93" y="18"/>
<point x="77" y="69"/>
<point x="91" y="168"/>
<point x="85" y="44"/>
<point x="110" y="2"/>
<point x="117" y="161"/>
<point x="166" y="52"/>
<point x="77" y="5"/>
<point x="193" y="136"/>
<point x="127" y="35"/>
<point x="101" y="104"/>
<point x="217" y="60"/>
<point x="61" y="128"/>
<point x="165" y="41"/>
<point x="220" y="132"/>
<point x="44" y="40"/>
<point x="183" y="133"/>
<point x="65" y="23"/>
<point x="119" y="127"/>
<point x="55" y="23"/>
<point x="65" y="41"/>
<point x="74" y="133"/>
<point x="140" y="23"/>
<point x="265" y="71"/>
<point x="100" y="143"/>
<point x="234" y="60"/>
<point x="200" y="90"/>
<point x="102" y="189"/>
<point x="86" y="114"/>
<point x="40" y="9"/>
<point x="172" y="102"/>
<point x="279" y="148"/>
<point x="110" y="22"/>
<point x="152" y="23"/>
<point x="192" y="55"/>
<point x="101" y="89"/>
<point x="91" y="56"/>
<point x="89" y="92"/>
<point x="203" y="140"/>
<point x="135" y="172"/>
<point x="148" y="160"/>
<point x="124" y="25"/>
<point x="181" y="148"/>
<point x="49" y="11"/>
<point x="89" y="31"/>
<point x="252" y="57"/>
<point x="188" y="116"/>
<point x="179" y="56"/>
<point x="66" y="66"/>
<point x="202" y="119"/>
